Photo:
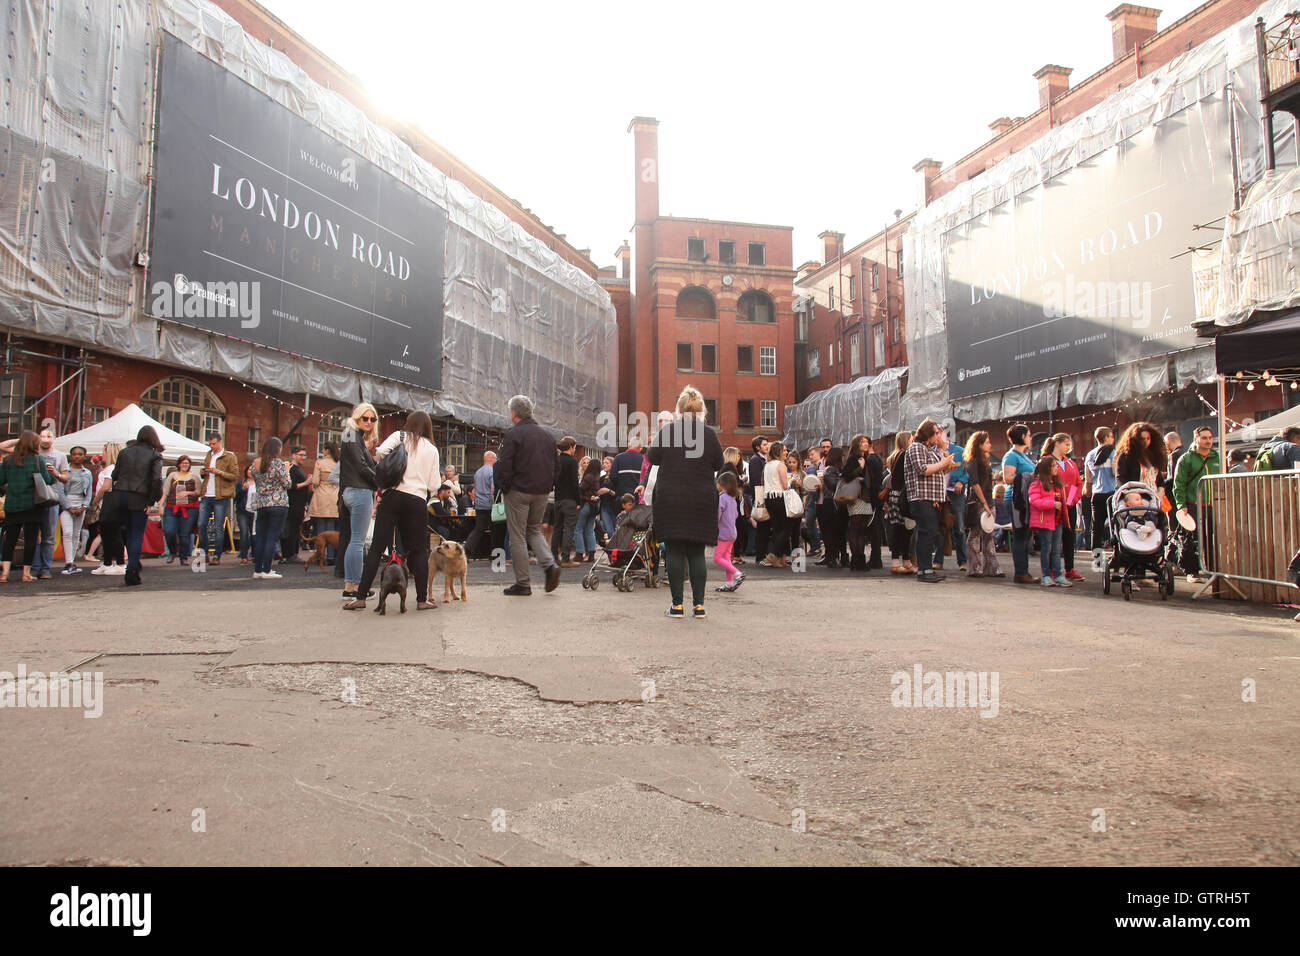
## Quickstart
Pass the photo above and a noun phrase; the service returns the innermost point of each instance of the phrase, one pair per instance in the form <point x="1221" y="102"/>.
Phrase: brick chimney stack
<point x="624" y="255"/>
<point x="1001" y="125"/>
<point x="929" y="170"/>
<point x="1052" y="80"/>
<point x="1129" y="26"/>
<point x="832" y="243"/>
<point x="645" y="137"/>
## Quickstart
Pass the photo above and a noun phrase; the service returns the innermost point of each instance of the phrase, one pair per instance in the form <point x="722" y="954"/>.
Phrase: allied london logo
<point x="185" y="298"/>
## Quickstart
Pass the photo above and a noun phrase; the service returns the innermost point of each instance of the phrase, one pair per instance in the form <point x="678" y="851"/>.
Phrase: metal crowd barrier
<point x="1256" y="530"/>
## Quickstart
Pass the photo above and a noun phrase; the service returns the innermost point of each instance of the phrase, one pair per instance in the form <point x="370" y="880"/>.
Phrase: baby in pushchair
<point x="1138" y="528"/>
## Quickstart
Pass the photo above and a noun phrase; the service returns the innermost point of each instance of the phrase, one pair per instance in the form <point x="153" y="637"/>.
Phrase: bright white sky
<point x="806" y="114"/>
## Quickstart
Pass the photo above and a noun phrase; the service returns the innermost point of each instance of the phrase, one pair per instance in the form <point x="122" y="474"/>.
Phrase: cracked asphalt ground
<point x="254" y="722"/>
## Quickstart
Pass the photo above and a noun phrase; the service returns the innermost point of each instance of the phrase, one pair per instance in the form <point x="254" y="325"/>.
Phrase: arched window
<point x="695" y="303"/>
<point x="755" y="306"/>
<point x="185" y="406"/>
<point x="330" y="429"/>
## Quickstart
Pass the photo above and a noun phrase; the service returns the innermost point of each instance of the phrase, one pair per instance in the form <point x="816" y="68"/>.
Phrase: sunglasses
<point x="368" y="418"/>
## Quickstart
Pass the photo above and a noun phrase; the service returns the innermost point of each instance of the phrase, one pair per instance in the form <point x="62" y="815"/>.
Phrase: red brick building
<point x="712" y="306"/>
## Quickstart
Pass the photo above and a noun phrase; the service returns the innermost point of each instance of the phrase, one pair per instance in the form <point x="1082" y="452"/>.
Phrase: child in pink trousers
<point x="728" y="489"/>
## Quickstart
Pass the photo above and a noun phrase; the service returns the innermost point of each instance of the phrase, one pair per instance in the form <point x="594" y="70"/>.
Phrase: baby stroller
<point x="631" y="553"/>
<point x="1139" y="532"/>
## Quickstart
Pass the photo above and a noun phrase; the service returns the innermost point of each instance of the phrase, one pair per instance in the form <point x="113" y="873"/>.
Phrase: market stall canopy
<point x="1264" y="429"/>
<point x="122" y="428"/>
<point x="1267" y="343"/>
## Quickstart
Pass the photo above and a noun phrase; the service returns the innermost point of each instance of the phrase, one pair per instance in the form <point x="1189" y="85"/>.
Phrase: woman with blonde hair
<point x="900" y="535"/>
<point x="356" y="492"/>
<point x="687" y="452"/>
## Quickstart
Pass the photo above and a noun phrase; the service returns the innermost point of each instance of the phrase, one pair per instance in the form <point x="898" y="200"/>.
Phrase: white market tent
<point x="1264" y="429"/>
<point x="123" y="427"/>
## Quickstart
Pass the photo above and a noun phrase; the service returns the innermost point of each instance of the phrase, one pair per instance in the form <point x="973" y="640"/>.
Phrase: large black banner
<point x="1079" y="273"/>
<point x="266" y="229"/>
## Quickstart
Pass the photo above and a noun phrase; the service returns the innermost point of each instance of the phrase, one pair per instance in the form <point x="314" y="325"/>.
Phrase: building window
<point x="757" y="254"/>
<point x="695" y="303"/>
<point x="767" y="360"/>
<point x="875" y="276"/>
<point x="708" y="358"/>
<point x="755" y="306"/>
<point x="745" y="413"/>
<point x="685" y="357"/>
<point x="768" y="411"/>
<point x="185" y="406"/>
<point x="830" y="298"/>
<point x="853" y="288"/>
<point x="727" y="252"/>
<point x="894" y="337"/>
<point x="801" y="327"/>
<point x="855" y="353"/>
<point x="814" y="363"/>
<point x="830" y="354"/>
<point x="330" y="431"/>
<point x="878" y="346"/>
<point x="744" y="358"/>
<point x="254" y="446"/>
<point x="711" y="412"/>
<point x="455" y="458"/>
<point x="695" y="249"/>
<point x="98" y="413"/>
<point x="900" y="263"/>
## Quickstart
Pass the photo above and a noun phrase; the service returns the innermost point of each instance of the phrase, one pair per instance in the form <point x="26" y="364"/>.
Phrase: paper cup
<point x="1186" y="520"/>
<point x="988" y="522"/>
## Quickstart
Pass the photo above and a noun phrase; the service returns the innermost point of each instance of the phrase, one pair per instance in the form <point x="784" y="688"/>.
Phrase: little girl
<point x="728" y="492"/>
<point x="1047" y="516"/>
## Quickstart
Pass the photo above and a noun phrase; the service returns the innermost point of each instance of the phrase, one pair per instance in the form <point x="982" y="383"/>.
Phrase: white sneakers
<point x="267" y="574"/>
<point x="117" y="570"/>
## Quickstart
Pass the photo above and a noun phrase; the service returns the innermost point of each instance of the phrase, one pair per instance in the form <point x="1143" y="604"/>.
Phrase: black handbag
<point x="390" y="469"/>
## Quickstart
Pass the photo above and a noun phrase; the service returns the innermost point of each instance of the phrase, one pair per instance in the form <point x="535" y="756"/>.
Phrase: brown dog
<point x="449" y="558"/>
<point x="324" y="539"/>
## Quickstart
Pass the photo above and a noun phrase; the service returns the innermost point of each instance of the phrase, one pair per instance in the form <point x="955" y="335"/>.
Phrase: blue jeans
<point x="133" y="525"/>
<point x="270" y="522"/>
<point x="245" y="533"/>
<point x="608" y="518"/>
<point x="178" y="530"/>
<point x="585" y="535"/>
<point x="957" y="505"/>
<point x="1020" y="550"/>
<point x="44" y="559"/>
<point x="810" y="522"/>
<point x="326" y="524"/>
<point x="1049" y="551"/>
<point x="220" y="508"/>
<point x="360" y="502"/>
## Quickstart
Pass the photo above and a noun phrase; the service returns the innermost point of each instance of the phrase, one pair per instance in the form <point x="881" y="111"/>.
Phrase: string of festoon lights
<point x="469" y="430"/>
<point x="1109" y="409"/>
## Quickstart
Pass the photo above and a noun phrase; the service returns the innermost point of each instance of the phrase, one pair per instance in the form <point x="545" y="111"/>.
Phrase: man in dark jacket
<point x="566" y="502"/>
<point x="756" y="464"/>
<point x="137" y="484"/>
<point x="525" y="475"/>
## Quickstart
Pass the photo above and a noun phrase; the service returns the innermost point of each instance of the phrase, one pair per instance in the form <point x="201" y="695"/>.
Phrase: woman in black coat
<point x="685" y="498"/>
<point x="137" y="484"/>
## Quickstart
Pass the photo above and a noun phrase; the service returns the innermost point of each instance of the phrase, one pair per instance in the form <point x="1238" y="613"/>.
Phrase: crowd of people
<point x="536" y="502"/>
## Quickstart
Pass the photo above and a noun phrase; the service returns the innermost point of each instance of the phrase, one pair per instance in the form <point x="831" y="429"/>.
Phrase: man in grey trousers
<point x="526" y="472"/>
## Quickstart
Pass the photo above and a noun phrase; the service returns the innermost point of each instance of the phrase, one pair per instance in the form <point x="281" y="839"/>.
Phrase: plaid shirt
<point x="920" y="486"/>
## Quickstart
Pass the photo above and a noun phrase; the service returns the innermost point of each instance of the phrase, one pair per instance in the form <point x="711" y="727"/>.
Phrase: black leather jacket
<point x="357" y="468"/>
<point x="138" y="473"/>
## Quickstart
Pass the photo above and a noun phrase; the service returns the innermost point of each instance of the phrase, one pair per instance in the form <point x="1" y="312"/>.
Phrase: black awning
<point x="1273" y="343"/>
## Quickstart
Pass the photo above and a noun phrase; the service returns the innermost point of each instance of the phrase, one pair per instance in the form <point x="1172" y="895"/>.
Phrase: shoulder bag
<point x="759" y="511"/>
<point x="390" y="469"/>
<point x="793" y="502"/>
<point x="45" y="495"/>
<point x="498" y="510"/>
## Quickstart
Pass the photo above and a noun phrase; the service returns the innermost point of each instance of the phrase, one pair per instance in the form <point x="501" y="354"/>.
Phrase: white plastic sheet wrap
<point x="1229" y="59"/>
<point x="76" y="133"/>
<point x="1257" y="266"/>
<point x="867" y="405"/>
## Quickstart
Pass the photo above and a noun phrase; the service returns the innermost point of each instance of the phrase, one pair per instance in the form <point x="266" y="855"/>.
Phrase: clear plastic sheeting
<point x="1227" y="61"/>
<point x="868" y="405"/>
<point x="1257" y="266"/>
<point x="77" y="142"/>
